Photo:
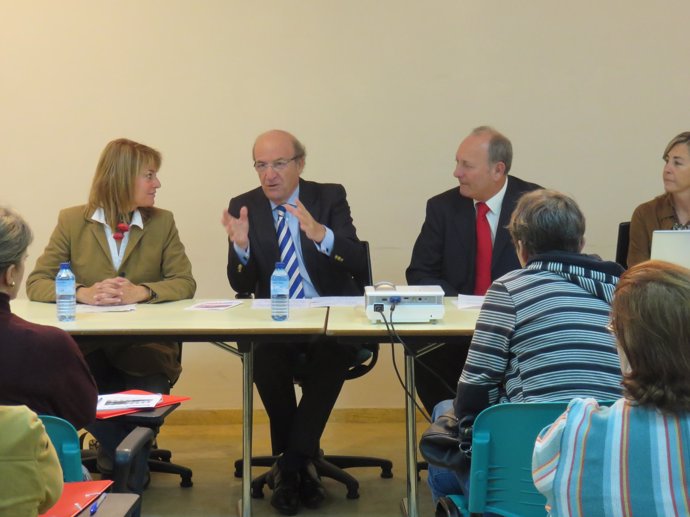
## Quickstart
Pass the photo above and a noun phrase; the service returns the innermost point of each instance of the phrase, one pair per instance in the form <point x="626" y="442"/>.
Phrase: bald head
<point x="278" y="135"/>
<point x="278" y="160"/>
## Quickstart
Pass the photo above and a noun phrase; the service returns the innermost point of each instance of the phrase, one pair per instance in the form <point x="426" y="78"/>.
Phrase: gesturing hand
<point x="312" y="229"/>
<point x="237" y="228"/>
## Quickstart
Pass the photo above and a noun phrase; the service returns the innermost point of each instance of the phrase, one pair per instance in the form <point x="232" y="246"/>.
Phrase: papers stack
<point x="164" y="400"/>
<point x="127" y="401"/>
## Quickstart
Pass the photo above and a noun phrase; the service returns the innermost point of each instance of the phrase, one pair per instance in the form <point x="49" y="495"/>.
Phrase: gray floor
<point x="210" y="451"/>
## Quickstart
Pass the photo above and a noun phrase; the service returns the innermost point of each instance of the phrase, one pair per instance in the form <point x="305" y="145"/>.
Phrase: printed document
<point x="127" y="401"/>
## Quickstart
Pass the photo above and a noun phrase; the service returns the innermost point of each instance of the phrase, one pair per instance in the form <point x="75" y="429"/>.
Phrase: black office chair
<point x="327" y="465"/>
<point x="160" y="460"/>
<point x="622" y="244"/>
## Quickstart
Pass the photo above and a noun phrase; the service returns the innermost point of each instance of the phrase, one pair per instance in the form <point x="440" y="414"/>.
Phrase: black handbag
<point x="448" y="442"/>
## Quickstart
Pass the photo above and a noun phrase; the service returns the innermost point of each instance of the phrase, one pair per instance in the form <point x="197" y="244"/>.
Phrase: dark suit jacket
<point x="332" y="276"/>
<point x="445" y="250"/>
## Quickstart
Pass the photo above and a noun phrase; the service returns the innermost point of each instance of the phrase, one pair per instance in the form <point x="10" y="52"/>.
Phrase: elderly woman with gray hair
<point x="41" y="367"/>
<point x="542" y="331"/>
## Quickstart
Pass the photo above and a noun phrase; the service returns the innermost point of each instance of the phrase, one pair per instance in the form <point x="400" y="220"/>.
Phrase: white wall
<point x="380" y="91"/>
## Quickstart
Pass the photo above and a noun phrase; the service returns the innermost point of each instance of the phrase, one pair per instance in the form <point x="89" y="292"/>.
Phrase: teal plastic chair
<point x="501" y="472"/>
<point x="66" y="442"/>
<point x="131" y="456"/>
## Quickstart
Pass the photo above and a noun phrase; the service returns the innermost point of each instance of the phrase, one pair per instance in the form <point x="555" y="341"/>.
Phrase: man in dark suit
<point x="330" y="257"/>
<point x="445" y="253"/>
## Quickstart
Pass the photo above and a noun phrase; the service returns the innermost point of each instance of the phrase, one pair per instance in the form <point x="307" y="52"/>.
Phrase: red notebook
<point x="167" y="400"/>
<point x="77" y="496"/>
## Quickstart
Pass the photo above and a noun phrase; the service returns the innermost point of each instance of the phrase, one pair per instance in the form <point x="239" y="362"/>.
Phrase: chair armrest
<point x="131" y="458"/>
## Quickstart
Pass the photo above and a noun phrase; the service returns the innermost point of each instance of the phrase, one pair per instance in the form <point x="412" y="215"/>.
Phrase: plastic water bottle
<point x="280" y="293"/>
<point x="65" y="293"/>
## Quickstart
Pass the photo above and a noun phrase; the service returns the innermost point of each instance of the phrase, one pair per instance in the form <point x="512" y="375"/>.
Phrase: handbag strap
<point x="465" y="434"/>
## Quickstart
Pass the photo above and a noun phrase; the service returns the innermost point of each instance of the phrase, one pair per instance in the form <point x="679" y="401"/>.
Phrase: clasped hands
<point x="113" y="291"/>
<point x="237" y="228"/>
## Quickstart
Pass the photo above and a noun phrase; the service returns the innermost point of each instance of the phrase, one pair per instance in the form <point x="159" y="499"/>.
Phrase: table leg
<point x="247" y="412"/>
<point x="411" y="437"/>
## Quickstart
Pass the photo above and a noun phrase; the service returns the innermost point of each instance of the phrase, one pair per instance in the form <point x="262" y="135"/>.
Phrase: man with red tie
<point x="464" y="245"/>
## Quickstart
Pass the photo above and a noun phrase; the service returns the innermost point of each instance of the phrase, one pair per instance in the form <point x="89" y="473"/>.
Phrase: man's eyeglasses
<point x="277" y="166"/>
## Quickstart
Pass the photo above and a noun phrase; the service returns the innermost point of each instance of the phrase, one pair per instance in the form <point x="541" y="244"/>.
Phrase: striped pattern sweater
<point x="542" y="336"/>
<point x="618" y="461"/>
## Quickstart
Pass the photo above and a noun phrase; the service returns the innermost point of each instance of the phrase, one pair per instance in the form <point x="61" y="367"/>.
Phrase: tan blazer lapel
<point x="98" y="231"/>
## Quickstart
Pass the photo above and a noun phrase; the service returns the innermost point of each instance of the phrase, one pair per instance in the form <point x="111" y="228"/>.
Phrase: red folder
<point x="77" y="496"/>
<point x="167" y="400"/>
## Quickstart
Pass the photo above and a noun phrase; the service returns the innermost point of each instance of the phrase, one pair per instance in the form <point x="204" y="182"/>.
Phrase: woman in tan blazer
<point x="122" y="250"/>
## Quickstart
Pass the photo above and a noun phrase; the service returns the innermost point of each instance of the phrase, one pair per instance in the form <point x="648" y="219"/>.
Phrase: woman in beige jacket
<point x="122" y="250"/>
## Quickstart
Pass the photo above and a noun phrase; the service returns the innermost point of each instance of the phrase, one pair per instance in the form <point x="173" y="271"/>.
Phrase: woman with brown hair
<point x="631" y="458"/>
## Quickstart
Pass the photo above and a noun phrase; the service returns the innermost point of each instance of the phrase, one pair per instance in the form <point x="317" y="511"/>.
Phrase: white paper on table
<point x="295" y="303"/>
<point x="469" y="301"/>
<point x="127" y="401"/>
<point x="83" y="308"/>
<point x="337" y="301"/>
<point x="214" y="305"/>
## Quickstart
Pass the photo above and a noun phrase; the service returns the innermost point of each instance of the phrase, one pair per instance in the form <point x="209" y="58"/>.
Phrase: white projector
<point x="413" y="303"/>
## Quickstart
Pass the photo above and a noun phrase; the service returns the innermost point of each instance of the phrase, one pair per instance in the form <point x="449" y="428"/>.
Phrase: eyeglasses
<point x="277" y="166"/>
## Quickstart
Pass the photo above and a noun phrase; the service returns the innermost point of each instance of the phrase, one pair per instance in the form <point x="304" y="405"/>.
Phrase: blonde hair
<point x="15" y="237"/>
<point x="650" y="316"/>
<point x="112" y="188"/>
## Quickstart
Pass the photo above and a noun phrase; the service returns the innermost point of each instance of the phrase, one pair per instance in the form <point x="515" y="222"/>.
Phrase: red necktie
<point x="482" y="263"/>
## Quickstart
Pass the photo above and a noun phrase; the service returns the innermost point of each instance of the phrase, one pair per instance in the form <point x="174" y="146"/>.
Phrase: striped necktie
<point x="288" y="255"/>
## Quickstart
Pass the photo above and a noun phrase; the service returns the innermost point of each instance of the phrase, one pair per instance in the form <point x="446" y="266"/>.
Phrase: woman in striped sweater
<point x="542" y="331"/>
<point x="632" y="458"/>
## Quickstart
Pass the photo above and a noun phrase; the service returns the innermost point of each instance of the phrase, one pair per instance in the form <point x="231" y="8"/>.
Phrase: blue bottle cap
<point x="64" y="265"/>
<point x="280" y="265"/>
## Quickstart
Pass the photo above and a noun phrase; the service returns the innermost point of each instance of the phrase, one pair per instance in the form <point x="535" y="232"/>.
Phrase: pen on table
<point x="95" y="506"/>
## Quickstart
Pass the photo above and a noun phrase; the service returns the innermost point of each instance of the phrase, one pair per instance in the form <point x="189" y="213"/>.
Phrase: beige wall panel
<point x="381" y="92"/>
